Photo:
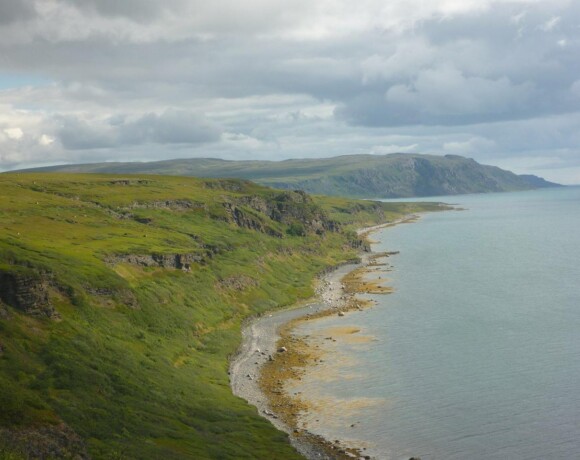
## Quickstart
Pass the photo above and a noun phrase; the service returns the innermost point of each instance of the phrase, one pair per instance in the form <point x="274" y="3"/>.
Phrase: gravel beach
<point x="259" y="340"/>
<point x="261" y="335"/>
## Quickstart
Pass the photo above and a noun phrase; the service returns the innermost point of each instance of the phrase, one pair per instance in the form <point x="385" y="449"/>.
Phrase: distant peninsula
<point x="394" y="175"/>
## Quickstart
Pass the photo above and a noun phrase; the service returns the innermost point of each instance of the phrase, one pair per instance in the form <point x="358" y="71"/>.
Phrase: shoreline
<point x="270" y="355"/>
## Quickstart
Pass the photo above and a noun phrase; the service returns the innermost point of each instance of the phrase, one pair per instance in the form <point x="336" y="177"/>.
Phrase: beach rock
<point x="340" y="313"/>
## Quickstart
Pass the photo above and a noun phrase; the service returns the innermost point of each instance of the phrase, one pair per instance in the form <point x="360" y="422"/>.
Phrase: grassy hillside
<point x="122" y="298"/>
<point x="365" y="176"/>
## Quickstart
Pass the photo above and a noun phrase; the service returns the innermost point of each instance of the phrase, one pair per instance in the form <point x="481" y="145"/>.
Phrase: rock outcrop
<point x="174" y="205"/>
<point x="237" y="283"/>
<point x="53" y="441"/>
<point x="288" y="208"/>
<point x="243" y="218"/>
<point x="178" y="261"/>
<point x="28" y="292"/>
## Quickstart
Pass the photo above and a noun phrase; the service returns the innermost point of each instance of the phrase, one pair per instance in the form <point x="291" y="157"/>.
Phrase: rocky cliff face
<point x="27" y="292"/>
<point x="174" y="205"/>
<point x="178" y="261"/>
<point x="244" y="219"/>
<point x="293" y="207"/>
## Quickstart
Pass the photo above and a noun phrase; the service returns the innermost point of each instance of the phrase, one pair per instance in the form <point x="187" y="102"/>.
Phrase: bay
<point x="477" y="352"/>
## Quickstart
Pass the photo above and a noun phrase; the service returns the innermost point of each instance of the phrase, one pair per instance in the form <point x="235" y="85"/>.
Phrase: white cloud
<point x="245" y="142"/>
<point x="551" y="24"/>
<point x="477" y="145"/>
<point x="393" y="148"/>
<point x="45" y="140"/>
<point x="14" y="133"/>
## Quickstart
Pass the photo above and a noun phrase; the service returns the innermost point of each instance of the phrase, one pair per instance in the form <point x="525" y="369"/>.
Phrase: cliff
<point x="122" y="298"/>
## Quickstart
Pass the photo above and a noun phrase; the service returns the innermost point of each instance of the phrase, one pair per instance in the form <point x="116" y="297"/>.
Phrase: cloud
<point x="169" y="127"/>
<point x="393" y="148"/>
<point x="444" y="92"/>
<point x="45" y="140"/>
<point x="78" y="134"/>
<point x="551" y="24"/>
<point x="575" y="88"/>
<point x="470" y="146"/>
<point x="279" y="79"/>
<point x="13" y="133"/>
<point x="16" y="11"/>
<point x="136" y="10"/>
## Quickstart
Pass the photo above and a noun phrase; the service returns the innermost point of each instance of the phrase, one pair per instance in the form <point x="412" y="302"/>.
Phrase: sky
<point x="138" y="80"/>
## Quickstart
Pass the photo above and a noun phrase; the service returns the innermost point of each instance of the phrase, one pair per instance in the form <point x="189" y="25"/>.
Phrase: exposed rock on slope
<point x="178" y="261"/>
<point x="55" y="441"/>
<point x="293" y="207"/>
<point x="28" y="292"/>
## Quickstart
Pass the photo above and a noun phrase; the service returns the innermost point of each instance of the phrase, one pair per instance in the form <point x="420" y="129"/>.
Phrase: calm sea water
<point x="477" y="353"/>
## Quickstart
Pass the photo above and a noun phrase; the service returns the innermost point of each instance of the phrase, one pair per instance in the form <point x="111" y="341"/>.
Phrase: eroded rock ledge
<point x="28" y="292"/>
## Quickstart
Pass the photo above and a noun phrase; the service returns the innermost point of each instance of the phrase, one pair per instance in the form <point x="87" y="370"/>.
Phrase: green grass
<point x="141" y="371"/>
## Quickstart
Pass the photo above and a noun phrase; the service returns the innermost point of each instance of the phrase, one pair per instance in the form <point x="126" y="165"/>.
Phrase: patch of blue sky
<point x="10" y="81"/>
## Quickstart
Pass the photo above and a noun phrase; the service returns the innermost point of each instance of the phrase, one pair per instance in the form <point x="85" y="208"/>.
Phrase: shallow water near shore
<point x="477" y="352"/>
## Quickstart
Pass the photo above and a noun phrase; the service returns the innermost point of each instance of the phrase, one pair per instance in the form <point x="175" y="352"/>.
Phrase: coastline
<point x="270" y="355"/>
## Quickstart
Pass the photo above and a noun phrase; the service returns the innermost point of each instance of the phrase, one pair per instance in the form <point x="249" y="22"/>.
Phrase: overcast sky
<point x="102" y="80"/>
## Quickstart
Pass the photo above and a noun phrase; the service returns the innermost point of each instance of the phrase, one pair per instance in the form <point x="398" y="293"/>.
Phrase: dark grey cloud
<point x="482" y="67"/>
<point x="170" y="127"/>
<point x="16" y="11"/>
<point x="76" y="134"/>
<point x="136" y="10"/>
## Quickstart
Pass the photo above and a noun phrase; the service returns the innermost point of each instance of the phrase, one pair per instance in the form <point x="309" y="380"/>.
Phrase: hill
<point x="362" y="176"/>
<point x="121" y="299"/>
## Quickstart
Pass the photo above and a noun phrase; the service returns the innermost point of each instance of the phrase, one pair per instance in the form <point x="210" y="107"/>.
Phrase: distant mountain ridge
<point x="394" y="175"/>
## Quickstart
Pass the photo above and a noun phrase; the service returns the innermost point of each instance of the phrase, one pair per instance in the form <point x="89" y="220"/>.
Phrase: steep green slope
<point x="122" y="298"/>
<point x="365" y="176"/>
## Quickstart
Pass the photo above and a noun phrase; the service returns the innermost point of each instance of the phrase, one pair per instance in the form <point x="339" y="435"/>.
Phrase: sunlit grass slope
<point x="121" y="298"/>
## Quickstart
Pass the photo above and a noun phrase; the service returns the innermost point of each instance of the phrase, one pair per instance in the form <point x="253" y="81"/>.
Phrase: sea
<point x="476" y="353"/>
